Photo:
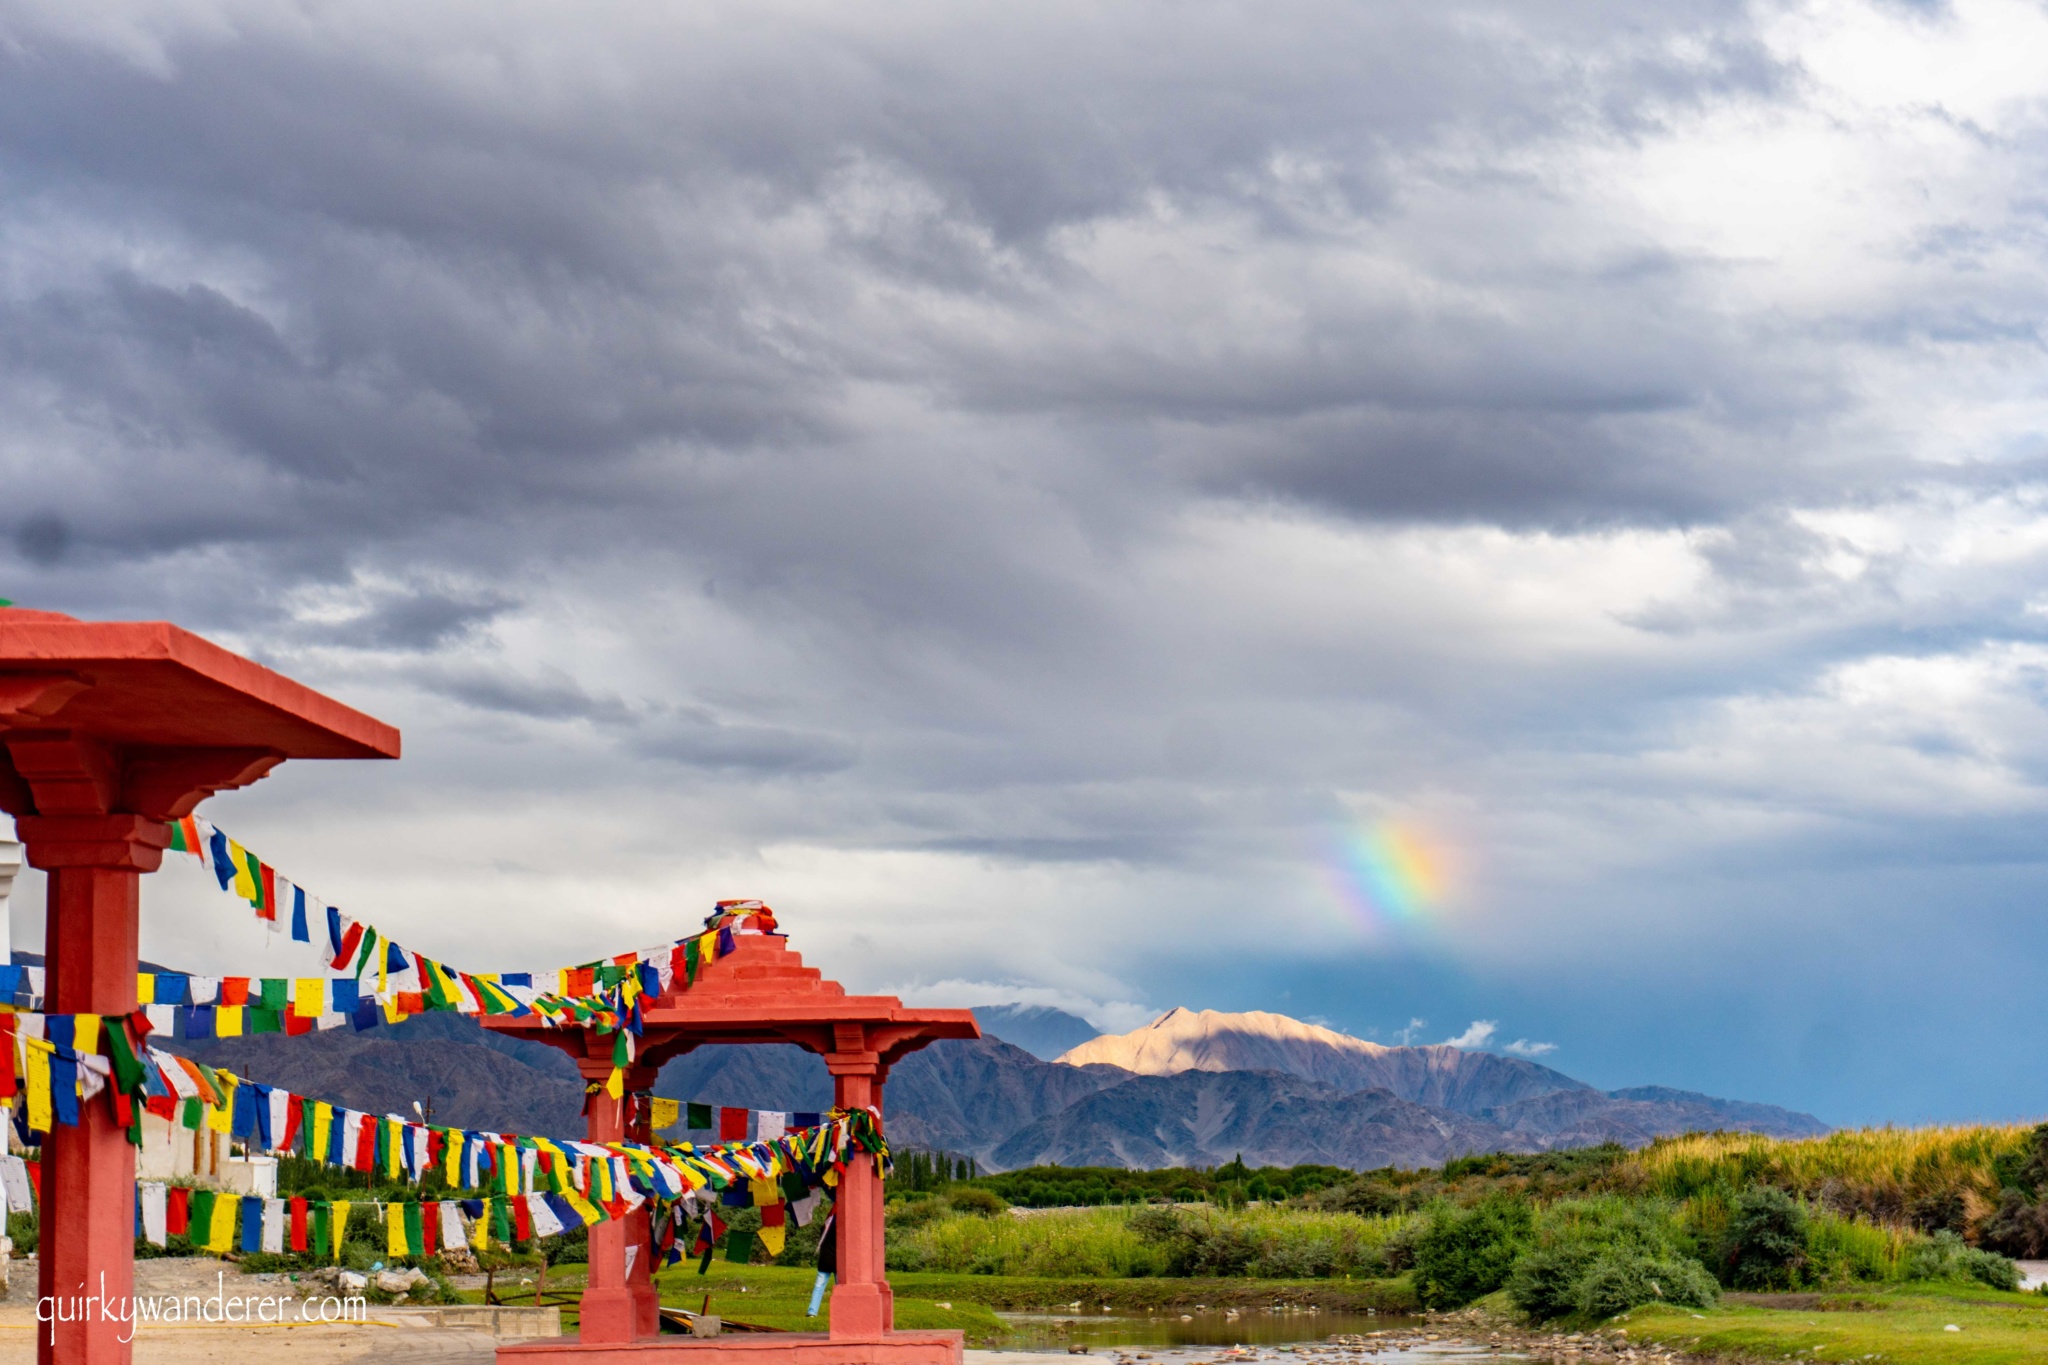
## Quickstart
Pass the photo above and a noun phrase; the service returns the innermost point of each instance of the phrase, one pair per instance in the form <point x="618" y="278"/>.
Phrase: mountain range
<point x="1189" y="1089"/>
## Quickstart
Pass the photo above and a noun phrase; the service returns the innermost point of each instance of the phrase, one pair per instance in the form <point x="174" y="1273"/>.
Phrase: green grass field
<point x="1905" y="1325"/>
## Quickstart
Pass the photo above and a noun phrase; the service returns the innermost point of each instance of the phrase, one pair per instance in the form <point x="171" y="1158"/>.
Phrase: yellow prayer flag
<point x="765" y="1192"/>
<point x="145" y="988"/>
<point x="227" y="1021"/>
<point x="480" y="1230"/>
<point x="38" y="1059"/>
<point x="85" y="1033"/>
<point x="453" y="1153"/>
<point x="664" y="1113"/>
<point x="227" y="1210"/>
<point x="309" y="997"/>
<point x="615" y="1084"/>
<point x="221" y="1117"/>
<point x="707" y="948"/>
<point x="590" y="1213"/>
<point x="245" y="885"/>
<point x="394" y="1231"/>
<point x="337" y="1222"/>
<point x="771" y="1238"/>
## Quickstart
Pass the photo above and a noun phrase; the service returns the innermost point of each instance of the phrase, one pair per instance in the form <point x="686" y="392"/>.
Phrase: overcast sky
<point x="1031" y="489"/>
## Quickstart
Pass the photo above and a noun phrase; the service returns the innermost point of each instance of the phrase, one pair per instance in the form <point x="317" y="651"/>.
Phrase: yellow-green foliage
<point x="1878" y="1172"/>
<point x="1100" y="1242"/>
<point x="1842" y="1251"/>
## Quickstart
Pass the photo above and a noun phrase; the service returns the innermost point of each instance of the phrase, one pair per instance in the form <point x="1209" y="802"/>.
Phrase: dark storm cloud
<point x="562" y="258"/>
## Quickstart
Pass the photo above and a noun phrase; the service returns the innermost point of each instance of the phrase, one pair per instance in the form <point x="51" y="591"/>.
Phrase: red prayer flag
<point x="298" y="1210"/>
<point x="234" y="990"/>
<point x="178" y="1211"/>
<point x="7" y="1057"/>
<point x="772" y="1215"/>
<point x="732" y="1124"/>
<point x="430" y="1225"/>
<point x="268" y="910"/>
<point x="366" y="1144"/>
<point x="522" y="1219"/>
<point x="294" y="1117"/>
<point x="296" y="1023"/>
<point x="349" y="942"/>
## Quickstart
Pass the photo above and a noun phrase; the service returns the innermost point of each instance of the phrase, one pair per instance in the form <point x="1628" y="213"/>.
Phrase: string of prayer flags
<point x="388" y="983"/>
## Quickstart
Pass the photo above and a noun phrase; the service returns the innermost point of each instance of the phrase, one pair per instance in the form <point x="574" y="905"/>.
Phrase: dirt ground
<point x="390" y="1334"/>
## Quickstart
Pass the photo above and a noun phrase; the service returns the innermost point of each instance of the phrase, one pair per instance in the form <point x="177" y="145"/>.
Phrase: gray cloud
<point x="1079" y="464"/>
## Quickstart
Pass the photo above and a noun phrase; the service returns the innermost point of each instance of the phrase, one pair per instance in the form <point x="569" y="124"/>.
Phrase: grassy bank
<point x="1906" y="1326"/>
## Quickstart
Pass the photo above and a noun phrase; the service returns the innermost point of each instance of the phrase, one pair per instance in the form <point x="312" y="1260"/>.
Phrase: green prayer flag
<point x="121" y="1052"/>
<point x="699" y="1116"/>
<point x="739" y="1247"/>
<point x="412" y="1229"/>
<point x="201" y="1221"/>
<point x="501" y="1222"/>
<point x="277" y="993"/>
<point x="322" y="1225"/>
<point x="265" y="1021"/>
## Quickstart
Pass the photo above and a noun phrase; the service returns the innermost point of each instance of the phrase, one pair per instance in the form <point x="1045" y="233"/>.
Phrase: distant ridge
<point x="1040" y="1030"/>
<point x="1379" y="1106"/>
<point x="1211" y="1040"/>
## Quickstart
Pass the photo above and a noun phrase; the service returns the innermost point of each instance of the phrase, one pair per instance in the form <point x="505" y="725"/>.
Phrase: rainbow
<point x="1390" y="873"/>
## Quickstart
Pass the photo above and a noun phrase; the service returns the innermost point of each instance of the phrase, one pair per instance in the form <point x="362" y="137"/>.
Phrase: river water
<point x="1212" y="1336"/>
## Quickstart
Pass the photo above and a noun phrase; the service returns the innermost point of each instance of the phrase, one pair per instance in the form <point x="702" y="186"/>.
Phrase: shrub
<point x="1765" y="1245"/>
<point x="1623" y="1279"/>
<point x="1944" y="1257"/>
<point x="1465" y="1253"/>
<point x="2017" y="1227"/>
<point x="1640" y="1243"/>
<point x="1545" y="1283"/>
<point x="975" y="1199"/>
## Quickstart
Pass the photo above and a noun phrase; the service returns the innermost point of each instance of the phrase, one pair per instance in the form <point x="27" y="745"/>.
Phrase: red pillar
<point x="640" y="1225"/>
<point x="862" y="1304"/>
<point x="607" y="1304"/>
<point x="87" y="1245"/>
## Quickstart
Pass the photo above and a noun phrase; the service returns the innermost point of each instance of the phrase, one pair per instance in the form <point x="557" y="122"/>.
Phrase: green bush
<point x="1638" y="1247"/>
<point x="976" y="1199"/>
<point x="1625" y="1278"/>
<point x="1465" y="1253"/>
<point x="1765" y="1245"/>
<point x="1944" y="1257"/>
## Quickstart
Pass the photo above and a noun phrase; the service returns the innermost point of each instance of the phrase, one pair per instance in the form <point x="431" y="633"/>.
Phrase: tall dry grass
<point x="1878" y="1173"/>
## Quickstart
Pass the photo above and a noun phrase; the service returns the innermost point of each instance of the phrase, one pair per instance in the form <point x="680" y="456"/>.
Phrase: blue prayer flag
<point x="64" y="1089"/>
<point x="300" y="933"/>
<point x="223" y="865"/>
